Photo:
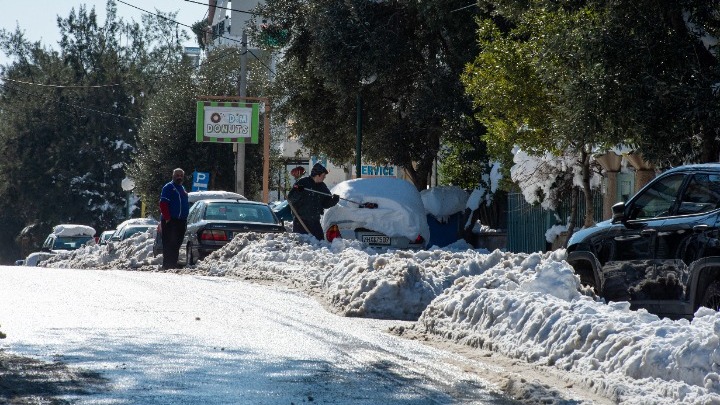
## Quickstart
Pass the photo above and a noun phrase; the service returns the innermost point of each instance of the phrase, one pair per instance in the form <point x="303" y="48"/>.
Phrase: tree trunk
<point x="573" y="214"/>
<point x="589" y="209"/>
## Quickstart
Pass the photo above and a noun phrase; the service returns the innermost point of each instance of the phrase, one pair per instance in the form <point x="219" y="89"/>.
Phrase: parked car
<point x="282" y="210"/>
<point x="661" y="249"/>
<point x="214" y="223"/>
<point x="384" y="212"/>
<point x="105" y="236"/>
<point x="64" y="237"/>
<point x="132" y="226"/>
<point x="193" y="197"/>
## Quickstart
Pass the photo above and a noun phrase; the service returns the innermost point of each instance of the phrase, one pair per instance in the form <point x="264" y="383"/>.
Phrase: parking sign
<point x="200" y="181"/>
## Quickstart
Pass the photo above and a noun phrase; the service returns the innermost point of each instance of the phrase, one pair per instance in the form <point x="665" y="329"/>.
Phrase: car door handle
<point x="648" y="232"/>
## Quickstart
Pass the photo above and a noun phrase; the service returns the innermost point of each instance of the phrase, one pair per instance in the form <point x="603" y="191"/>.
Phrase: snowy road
<point x="170" y="339"/>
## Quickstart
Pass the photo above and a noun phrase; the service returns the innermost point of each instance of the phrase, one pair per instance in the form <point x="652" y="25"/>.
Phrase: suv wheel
<point x="711" y="297"/>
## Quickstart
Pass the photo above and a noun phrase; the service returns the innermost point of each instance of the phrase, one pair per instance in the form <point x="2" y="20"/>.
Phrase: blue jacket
<point x="177" y="200"/>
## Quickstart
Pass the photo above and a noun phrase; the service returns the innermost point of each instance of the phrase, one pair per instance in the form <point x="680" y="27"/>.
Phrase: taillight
<point x="332" y="233"/>
<point x="213" y="234"/>
<point x="419" y="240"/>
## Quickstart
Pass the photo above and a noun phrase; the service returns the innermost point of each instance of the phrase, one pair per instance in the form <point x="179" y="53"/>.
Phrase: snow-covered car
<point x="213" y="223"/>
<point x="384" y="212"/>
<point x="64" y="237"/>
<point x="105" y="236"/>
<point x="132" y="226"/>
<point x="193" y="197"/>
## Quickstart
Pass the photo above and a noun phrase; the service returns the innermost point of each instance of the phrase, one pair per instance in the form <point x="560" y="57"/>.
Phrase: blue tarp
<point x="443" y="234"/>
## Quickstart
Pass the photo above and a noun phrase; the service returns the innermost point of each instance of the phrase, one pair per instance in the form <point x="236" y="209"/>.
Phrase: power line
<point x="62" y="86"/>
<point x="463" y="8"/>
<point x="73" y="105"/>
<point x="194" y="29"/>
<point x="223" y="8"/>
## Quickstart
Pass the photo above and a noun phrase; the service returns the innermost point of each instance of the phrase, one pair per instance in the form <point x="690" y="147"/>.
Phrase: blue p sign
<point x="200" y="181"/>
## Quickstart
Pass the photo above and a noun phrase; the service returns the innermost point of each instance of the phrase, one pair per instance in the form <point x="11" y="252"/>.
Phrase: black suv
<point x="661" y="249"/>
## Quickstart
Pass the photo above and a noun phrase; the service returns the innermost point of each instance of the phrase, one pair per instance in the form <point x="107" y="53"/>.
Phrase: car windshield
<point x="70" y="242"/>
<point x="135" y="229"/>
<point x="229" y="211"/>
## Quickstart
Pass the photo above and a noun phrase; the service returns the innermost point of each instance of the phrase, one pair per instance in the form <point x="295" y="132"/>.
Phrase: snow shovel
<point x="360" y="205"/>
<point x="298" y="217"/>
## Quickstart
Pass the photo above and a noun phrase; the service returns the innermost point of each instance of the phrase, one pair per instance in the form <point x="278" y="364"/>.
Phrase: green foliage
<point x="167" y="136"/>
<point x="414" y="52"/>
<point x="588" y="75"/>
<point x="582" y="76"/>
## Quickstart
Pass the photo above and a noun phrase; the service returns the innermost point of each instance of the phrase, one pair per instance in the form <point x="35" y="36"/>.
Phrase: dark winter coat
<point x="308" y="205"/>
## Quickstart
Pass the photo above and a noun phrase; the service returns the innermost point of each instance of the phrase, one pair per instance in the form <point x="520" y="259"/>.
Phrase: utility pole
<point x="240" y="147"/>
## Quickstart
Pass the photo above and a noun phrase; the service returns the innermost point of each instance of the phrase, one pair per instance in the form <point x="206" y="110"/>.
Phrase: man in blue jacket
<point x="174" y="209"/>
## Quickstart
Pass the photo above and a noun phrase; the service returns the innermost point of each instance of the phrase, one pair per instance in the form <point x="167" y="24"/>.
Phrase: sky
<point x="528" y="306"/>
<point x="39" y="20"/>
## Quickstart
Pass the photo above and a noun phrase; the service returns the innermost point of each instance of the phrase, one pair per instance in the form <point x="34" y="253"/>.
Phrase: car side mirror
<point x="618" y="211"/>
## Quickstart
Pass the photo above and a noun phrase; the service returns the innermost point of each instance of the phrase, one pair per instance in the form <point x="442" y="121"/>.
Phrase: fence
<point x="528" y="223"/>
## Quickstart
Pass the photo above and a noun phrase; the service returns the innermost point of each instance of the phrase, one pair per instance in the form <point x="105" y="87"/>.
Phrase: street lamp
<point x="358" y="125"/>
<point x="128" y="185"/>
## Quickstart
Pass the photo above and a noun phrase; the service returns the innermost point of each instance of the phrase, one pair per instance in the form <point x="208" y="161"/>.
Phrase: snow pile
<point x="526" y="306"/>
<point x="131" y="253"/>
<point x="73" y="230"/>
<point x="441" y="202"/>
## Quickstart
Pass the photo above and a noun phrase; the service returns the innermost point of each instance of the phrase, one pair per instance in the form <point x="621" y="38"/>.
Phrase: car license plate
<point x="376" y="239"/>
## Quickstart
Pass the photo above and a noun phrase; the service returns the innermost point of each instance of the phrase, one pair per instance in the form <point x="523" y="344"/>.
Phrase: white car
<point x="384" y="212"/>
<point x="64" y="237"/>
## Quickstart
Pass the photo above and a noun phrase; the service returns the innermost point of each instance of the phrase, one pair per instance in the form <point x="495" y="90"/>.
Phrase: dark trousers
<point x="313" y="226"/>
<point x="172" y="237"/>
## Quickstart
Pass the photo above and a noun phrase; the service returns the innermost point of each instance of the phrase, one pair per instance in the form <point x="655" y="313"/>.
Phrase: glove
<point x="299" y="187"/>
<point x="335" y="198"/>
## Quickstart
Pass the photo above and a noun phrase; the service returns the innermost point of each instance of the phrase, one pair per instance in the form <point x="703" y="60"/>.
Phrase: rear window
<point x="70" y="242"/>
<point x="239" y="212"/>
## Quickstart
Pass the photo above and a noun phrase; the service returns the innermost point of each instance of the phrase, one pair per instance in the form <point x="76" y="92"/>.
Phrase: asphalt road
<point x="157" y="338"/>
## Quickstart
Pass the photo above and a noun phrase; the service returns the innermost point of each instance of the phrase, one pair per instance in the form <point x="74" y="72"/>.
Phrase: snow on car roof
<point x="137" y="221"/>
<point x="194" y="196"/>
<point x="73" y="230"/>
<point x="443" y="201"/>
<point x="400" y="210"/>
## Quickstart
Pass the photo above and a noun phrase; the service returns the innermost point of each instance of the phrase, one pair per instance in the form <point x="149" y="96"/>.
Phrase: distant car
<point x="193" y="197"/>
<point x="214" y="223"/>
<point x="105" y="236"/>
<point x="282" y="210"/>
<point x="64" y="237"/>
<point x="382" y="212"/>
<point x="132" y="226"/>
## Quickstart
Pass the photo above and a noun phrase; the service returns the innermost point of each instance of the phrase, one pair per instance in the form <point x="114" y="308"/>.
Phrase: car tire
<point x="711" y="296"/>
<point x="615" y="287"/>
<point x="189" y="259"/>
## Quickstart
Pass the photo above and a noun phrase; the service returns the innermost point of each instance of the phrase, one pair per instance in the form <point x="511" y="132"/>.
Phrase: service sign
<point x="227" y="122"/>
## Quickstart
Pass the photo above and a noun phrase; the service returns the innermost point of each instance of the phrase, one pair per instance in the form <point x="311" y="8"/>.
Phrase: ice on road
<point x="171" y="339"/>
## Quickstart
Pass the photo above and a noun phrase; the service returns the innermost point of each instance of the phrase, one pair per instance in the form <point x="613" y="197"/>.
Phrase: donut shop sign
<point x="233" y="122"/>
